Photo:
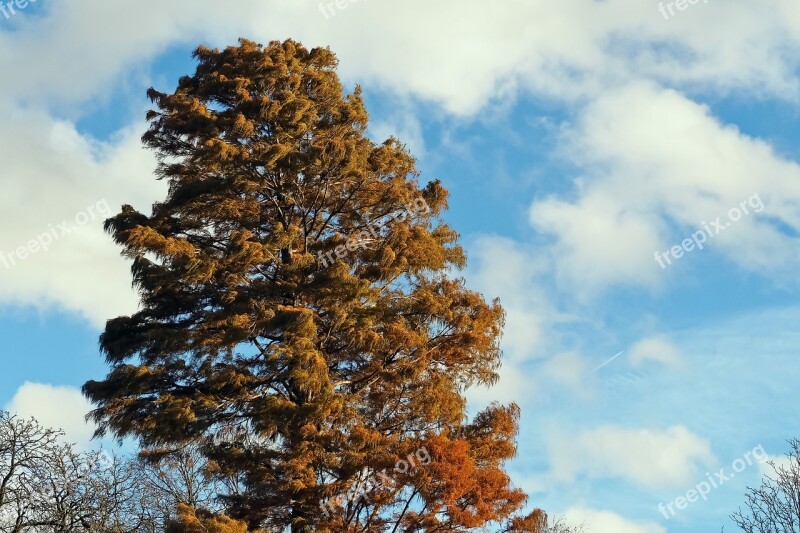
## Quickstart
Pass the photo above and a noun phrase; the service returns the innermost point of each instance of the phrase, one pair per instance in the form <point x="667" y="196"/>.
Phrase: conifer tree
<point x="297" y="296"/>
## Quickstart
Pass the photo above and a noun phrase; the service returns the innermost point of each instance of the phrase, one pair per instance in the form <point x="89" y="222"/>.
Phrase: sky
<point x="624" y="175"/>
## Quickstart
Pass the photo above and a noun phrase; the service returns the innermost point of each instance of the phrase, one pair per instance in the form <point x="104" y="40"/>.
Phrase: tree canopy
<point x="298" y="295"/>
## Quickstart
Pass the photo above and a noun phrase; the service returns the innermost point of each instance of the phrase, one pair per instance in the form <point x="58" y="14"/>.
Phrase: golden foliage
<point x="333" y="369"/>
<point x="192" y="521"/>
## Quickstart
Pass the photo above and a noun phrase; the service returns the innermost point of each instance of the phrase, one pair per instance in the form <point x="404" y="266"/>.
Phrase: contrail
<point x="604" y="364"/>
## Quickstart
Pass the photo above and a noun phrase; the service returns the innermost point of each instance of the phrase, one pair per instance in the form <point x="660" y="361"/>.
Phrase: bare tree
<point x="120" y="500"/>
<point x="26" y="450"/>
<point x="774" y="507"/>
<point x="179" y="477"/>
<point x="539" y="522"/>
<point x="47" y="486"/>
<point x="561" y="526"/>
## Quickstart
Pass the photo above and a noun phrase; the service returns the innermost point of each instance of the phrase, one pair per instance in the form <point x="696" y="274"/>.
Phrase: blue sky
<point x="577" y="138"/>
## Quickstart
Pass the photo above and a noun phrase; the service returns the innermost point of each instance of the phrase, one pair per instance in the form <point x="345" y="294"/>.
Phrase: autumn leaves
<point x="371" y="233"/>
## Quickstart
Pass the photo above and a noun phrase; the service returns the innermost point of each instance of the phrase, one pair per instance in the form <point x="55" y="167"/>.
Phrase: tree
<point x="182" y="478"/>
<point x="538" y="522"/>
<point x="774" y="506"/>
<point x="27" y="451"/>
<point x="296" y="290"/>
<point x="47" y="486"/>
<point x="99" y="493"/>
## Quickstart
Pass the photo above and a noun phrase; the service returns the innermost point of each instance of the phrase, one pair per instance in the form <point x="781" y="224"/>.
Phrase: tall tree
<point x="296" y="291"/>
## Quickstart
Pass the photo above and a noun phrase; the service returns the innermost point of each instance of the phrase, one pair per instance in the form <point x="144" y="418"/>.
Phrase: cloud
<point x="609" y="522"/>
<point x="478" y="52"/>
<point x="56" y="407"/>
<point x="780" y="462"/>
<point x="646" y="457"/>
<point x="403" y="124"/>
<point x="659" y="167"/>
<point x="52" y="174"/>
<point x="572" y="371"/>
<point x="501" y="268"/>
<point x="462" y="57"/>
<point x="658" y="349"/>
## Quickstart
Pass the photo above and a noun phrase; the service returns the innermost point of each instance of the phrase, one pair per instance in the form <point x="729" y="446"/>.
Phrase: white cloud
<point x="55" y="407"/>
<point x="515" y="385"/>
<point x="499" y="267"/>
<point x="570" y="370"/>
<point x="402" y="124"/>
<point x="779" y="461"/>
<point x="662" y="166"/>
<point x="460" y="56"/>
<point x="51" y="174"/>
<point x="647" y="457"/>
<point x="658" y="349"/>
<point x="609" y="522"/>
